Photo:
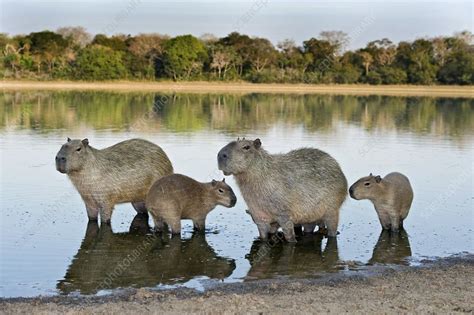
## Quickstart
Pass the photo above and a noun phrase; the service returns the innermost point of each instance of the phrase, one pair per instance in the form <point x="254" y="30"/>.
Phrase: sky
<point x="276" y="20"/>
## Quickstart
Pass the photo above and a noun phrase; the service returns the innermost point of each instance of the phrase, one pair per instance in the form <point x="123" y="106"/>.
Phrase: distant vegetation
<point x="73" y="54"/>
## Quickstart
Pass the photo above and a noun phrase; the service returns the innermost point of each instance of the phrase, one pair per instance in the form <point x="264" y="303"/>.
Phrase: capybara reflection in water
<point x="121" y="173"/>
<point x="392" y="197"/>
<point x="304" y="186"/>
<point x="177" y="197"/>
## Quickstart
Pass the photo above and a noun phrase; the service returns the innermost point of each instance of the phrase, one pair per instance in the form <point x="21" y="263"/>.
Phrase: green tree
<point x="98" y="63"/>
<point x="49" y="47"/>
<point x="183" y="56"/>
<point x="117" y="42"/>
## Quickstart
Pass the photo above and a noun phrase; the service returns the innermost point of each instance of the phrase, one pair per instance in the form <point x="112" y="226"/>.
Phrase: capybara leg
<point x="331" y="224"/>
<point x="199" y="224"/>
<point x="274" y="228"/>
<point x="92" y="213"/>
<point x="263" y="229"/>
<point x="394" y="224"/>
<point x="106" y="214"/>
<point x="139" y="206"/>
<point x="159" y="224"/>
<point x="175" y="226"/>
<point x="309" y="228"/>
<point x="288" y="230"/>
<point x="385" y="224"/>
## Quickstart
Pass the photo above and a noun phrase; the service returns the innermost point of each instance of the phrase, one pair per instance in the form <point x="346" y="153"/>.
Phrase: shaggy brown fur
<point x="121" y="173"/>
<point x="392" y="197"/>
<point x="304" y="186"/>
<point x="177" y="197"/>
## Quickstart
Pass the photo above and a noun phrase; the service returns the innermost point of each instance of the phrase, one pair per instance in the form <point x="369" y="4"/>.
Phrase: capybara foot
<point x="93" y="219"/>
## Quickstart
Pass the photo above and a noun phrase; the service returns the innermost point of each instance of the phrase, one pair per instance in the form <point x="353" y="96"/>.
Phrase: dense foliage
<point x="72" y="53"/>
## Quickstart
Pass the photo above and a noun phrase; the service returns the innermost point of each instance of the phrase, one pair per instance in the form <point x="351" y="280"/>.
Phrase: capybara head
<point x="72" y="156"/>
<point x="366" y="188"/>
<point x="238" y="156"/>
<point x="223" y="193"/>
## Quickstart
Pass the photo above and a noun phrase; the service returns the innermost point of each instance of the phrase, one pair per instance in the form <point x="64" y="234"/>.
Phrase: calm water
<point x="48" y="247"/>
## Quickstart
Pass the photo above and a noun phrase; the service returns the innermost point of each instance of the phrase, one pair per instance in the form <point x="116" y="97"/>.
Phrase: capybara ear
<point x="223" y="180"/>
<point x="257" y="143"/>
<point x="370" y="174"/>
<point x="214" y="183"/>
<point x="68" y="139"/>
<point x="378" y="179"/>
<point x="85" y="142"/>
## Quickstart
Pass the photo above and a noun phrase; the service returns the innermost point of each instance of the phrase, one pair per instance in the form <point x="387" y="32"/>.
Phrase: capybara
<point x="177" y="197"/>
<point x="391" y="196"/>
<point x="304" y="186"/>
<point x="121" y="173"/>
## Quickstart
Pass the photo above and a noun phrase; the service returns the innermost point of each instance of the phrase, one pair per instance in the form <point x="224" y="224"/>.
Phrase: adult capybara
<point x="392" y="197"/>
<point x="121" y="173"/>
<point x="177" y="197"/>
<point x="304" y="186"/>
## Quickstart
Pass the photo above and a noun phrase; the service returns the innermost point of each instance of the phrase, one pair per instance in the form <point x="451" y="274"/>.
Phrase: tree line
<point x="73" y="54"/>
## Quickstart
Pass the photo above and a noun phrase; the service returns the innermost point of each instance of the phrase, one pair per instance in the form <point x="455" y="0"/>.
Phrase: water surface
<point x="48" y="247"/>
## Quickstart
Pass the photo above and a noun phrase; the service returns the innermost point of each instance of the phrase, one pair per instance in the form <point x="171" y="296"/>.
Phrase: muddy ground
<point x="442" y="286"/>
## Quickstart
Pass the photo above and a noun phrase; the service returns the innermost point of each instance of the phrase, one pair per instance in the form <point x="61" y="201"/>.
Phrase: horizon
<point x="364" y="21"/>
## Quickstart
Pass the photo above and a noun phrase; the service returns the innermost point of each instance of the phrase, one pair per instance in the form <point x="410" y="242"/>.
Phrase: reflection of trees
<point x="108" y="260"/>
<point x="233" y="113"/>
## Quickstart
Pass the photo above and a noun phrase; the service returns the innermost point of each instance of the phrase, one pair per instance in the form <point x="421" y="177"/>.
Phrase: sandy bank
<point x="213" y="87"/>
<point x="446" y="286"/>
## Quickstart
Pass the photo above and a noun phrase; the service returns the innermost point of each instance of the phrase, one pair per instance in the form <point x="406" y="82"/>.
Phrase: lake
<point x="48" y="247"/>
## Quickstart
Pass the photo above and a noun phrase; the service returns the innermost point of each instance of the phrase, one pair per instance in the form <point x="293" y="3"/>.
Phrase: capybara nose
<point x="233" y="201"/>
<point x="60" y="159"/>
<point x="351" y="191"/>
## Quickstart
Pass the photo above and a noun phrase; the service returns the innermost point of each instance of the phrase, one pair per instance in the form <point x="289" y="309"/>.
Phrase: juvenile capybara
<point x="177" y="197"/>
<point x="392" y="197"/>
<point x="304" y="186"/>
<point x="121" y="173"/>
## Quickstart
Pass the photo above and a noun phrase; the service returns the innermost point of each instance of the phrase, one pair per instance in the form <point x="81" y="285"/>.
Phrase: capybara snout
<point x="61" y="164"/>
<point x="225" y="196"/>
<point x="351" y="192"/>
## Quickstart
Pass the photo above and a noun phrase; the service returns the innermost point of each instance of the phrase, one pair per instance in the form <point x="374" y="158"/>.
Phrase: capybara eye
<point x="367" y="184"/>
<point x="78" y="149"/>
<point x="247" y="147"/>
<point x="221" y="190"/>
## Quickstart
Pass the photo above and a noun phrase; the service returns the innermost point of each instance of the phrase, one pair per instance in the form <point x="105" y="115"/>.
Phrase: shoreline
<point x="441" y="285"/>
<point x="244" y="88"/>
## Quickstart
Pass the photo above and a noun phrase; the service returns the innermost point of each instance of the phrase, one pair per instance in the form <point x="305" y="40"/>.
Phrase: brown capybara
<point x="177" y="197"/>
<point x="304" y="186"/>
<point x="392" y="197"/>
<point x="121" y="173"/>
